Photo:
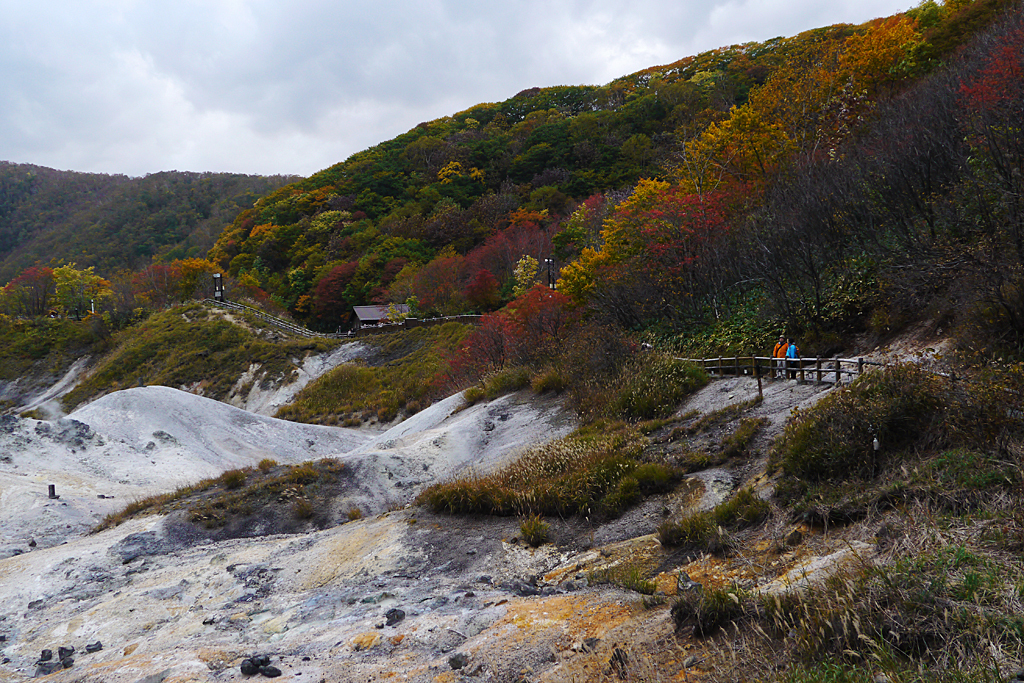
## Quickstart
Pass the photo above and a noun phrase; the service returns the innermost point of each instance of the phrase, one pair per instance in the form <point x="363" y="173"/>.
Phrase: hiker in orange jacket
<point x="780" y="352"/>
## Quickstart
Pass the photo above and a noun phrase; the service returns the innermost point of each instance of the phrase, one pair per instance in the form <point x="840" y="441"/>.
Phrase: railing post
<point x="757" y="373"/>
<point x="736" y="365"/>
<point x="801" y="362"/>
<point x="860" y="367"/>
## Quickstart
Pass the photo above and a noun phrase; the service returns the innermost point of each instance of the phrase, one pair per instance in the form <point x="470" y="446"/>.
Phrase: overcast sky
<point x="294" y="86"/>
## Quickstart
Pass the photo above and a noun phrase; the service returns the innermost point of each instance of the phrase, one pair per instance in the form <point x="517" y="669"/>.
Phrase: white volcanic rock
<point x="132" y="444"/>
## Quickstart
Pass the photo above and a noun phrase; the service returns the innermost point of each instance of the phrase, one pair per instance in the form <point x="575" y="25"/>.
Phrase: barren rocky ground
<point x="400" y="594"/>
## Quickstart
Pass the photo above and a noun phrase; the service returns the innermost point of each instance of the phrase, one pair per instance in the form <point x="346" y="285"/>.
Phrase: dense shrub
<point x="832" y="440"/>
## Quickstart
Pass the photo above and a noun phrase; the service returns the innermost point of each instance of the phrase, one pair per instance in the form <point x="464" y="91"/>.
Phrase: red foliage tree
<point x="528" y="329"/>
<point x="331" y="305"/>
<point x="29" y="293"/>
<point x="483" y="290"/>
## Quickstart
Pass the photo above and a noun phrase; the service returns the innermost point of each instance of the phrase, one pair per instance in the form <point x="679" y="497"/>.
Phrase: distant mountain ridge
<point x="116" y="222"/>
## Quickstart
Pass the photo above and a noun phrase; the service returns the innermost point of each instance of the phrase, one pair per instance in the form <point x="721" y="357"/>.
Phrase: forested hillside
<point x="809" y="179"/>
<point x="114" y="222"/>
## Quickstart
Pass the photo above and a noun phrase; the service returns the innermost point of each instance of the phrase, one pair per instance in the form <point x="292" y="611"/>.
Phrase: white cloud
<point x="263" y="86"/>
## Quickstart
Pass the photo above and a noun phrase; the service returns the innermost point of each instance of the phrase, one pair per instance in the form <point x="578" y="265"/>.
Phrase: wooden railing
<point x="817" y="370"/>
<point x="384" y="328"/>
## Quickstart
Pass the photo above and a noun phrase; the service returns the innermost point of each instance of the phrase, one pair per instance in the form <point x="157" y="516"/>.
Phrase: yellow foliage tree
<point x="77" y="290"/>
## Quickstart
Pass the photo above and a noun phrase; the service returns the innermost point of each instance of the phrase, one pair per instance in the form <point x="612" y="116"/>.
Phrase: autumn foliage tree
<point x="532" y="327"/>
<point x="30" y="293"/>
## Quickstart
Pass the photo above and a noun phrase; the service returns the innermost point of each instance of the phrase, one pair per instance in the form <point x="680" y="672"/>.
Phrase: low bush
<point x="535" y="530"/>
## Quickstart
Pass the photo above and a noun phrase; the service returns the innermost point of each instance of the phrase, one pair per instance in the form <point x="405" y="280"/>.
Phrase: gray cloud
<point x="264" y="86"/>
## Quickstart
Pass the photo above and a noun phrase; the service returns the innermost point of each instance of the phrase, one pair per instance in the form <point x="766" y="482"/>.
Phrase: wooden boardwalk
<point x="816" y="370"/>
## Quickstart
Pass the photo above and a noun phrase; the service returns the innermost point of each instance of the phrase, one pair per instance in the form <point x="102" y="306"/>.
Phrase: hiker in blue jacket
<point x="792" y="353"/>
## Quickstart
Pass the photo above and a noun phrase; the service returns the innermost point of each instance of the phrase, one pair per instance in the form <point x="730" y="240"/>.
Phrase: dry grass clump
<point x="708" y="609"/>
<point x="505" y="381"/>
<point x="946" y="606"/>
<point x="233" y="479"/>
<point x="706" y="530"/>
<point x="626" y="575"/>
<point x="303" y="508"/>
<point x="212" y="502"/>
<point x="653" y="386"/>
<point x="593" y="471"/>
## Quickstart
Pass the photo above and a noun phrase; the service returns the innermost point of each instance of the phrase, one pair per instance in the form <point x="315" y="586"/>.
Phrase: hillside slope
<point x="174" y="604"/>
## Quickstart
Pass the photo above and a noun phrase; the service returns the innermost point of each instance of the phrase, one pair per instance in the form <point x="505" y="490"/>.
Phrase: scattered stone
<point x="65" y="652"/>
<point x="685" y="583"/>
<point x="67" y="662"/>
<point x="138" y="545"/>
<point x="689" y="661"/>
<point x="458" y="661"/>
<point x="270" y="671"/>
<point x="47" y="668"/>
<point x="94" y="647"/>
<point x="248" y="667"/>
<point x="394" y="615"/>
<point x="46" y="655"/>
<point x="32" y="543"/>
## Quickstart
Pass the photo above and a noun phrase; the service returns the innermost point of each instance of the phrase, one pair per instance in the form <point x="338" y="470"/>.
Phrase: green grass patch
<point x="535" y="530"/>
<point x="403" y="380"/>
<point x="188" y="346"/>
<point x="45" y="346"/>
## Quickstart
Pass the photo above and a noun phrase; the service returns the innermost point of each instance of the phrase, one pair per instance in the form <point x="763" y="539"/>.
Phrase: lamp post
<point x="551" y="280"/>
